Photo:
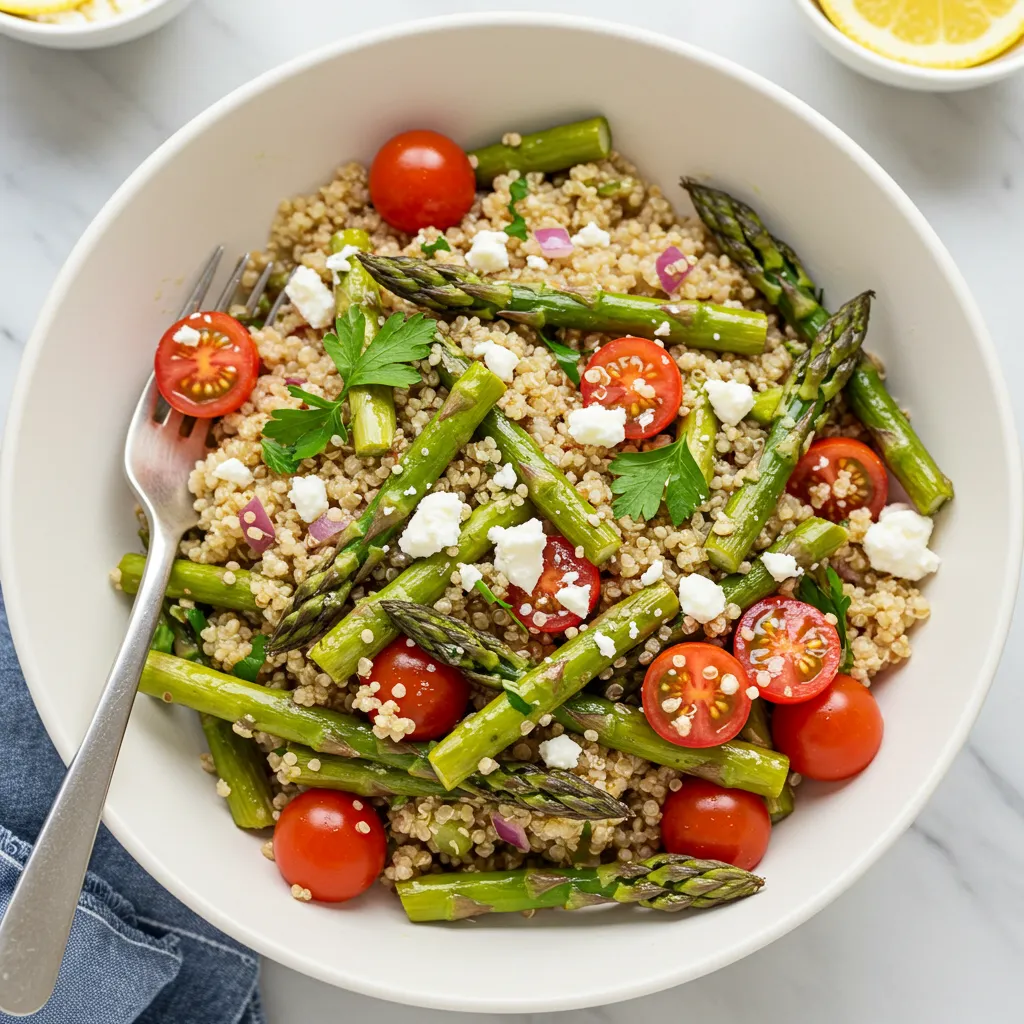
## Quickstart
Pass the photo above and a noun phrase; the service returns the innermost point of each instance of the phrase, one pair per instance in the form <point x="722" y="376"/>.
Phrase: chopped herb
<point x="291" y="435"/>
<point x="249" y="667"/>
<point x="643" y="478"/>
<point x="830" y="599"/>
<point x="519" y="189"/>
<point x="522" y="706"/>
<point x="429" y="248"/>
<point x="568" y="358"/>
<point x="494" y="599"/>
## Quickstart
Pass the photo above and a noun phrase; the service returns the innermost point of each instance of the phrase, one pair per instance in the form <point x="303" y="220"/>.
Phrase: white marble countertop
<point x="935" y="931"/>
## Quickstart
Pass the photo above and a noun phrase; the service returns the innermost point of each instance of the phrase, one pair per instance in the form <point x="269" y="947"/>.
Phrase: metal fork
<point x="161" y="449"/>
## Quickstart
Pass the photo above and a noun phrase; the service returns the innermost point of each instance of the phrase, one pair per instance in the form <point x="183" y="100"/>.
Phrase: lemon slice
<point x="27" y="8"/>
<point x="932" y="33"/>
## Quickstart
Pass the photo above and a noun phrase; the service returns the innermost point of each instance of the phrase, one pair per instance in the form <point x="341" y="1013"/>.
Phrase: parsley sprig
<point x="492" y="598"/>
<point x="567" y="358"/>
<point x="830" y="598"/>
<point x="642" y="479"/>
<point x="291" y="435"/>
<point x="429" y="248"/>
<point x="519" y="189"/>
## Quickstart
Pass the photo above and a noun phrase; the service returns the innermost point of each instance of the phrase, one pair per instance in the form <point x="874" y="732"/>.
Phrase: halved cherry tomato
<point x="330" y="843"/>
<point x="789" y="649"/>
<point x="695" y="695"/>
<point x="832" y="736"/>
<point x="825" y="460"/>
<point x="209" y="375"/>
<point x="421" y="179"/>
<point x="636" y="375"/>
<point x="432" y="694"/>
<point x="708" y="821"/>
<point x="540" y="611"/>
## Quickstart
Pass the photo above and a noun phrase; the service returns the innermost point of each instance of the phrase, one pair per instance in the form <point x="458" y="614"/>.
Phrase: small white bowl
<point x="906" y="76"/>
<point x="109" y="32"/>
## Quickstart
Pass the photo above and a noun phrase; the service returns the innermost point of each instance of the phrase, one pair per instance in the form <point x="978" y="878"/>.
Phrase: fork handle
<point x="36" y="926"/>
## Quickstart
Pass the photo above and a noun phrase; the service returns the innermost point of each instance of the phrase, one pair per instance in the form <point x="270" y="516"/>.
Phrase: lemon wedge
<point x="28" y="8"/>
<point x="931" y="33"/>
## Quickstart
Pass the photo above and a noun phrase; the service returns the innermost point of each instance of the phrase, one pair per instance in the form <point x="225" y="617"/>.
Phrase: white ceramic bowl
<point x="66" y="513"/>
<point x="906" y="76"/>
<point x="110" y="32"/>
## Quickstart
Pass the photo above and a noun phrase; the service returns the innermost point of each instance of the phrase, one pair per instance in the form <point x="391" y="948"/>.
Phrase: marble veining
<point x="933" y="932"/>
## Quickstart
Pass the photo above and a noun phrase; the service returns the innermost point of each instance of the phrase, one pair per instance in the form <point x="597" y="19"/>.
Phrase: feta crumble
<point x="701" y="598"/>
<point x="560" y="752"/>
<point x="488" y="251"/>
<point x="605" y="644"/>
<point x="338" y="262"/>
<point x="470" y="576"/>
<point x="186" y="335"/>
<point x="234" y="471"/>
<point x="501" y="361"/>
<point x="898" y="543"/>
<point x="506" y="477"/>
<point x="309" y="496"/>
<point x="596" y="425"/>
<point x="591" y="236"/>
<point x="575" y="599"/>
<point x="311" y="297"/>
<point x="536" y="263"/>
<point x="434" y="525"/>
<point x="730" y="400"/>
<point x="663" y="330"/>
<point x="781" y="566"/>
<point x="653" y="573"/>
<point x="519" y="552"/>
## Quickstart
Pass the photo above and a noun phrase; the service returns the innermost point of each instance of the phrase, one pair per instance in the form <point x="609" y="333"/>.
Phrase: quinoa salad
<point x="551" y="538"/>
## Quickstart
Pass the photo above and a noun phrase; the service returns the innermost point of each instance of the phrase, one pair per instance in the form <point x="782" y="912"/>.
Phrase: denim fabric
<point x="136" y="953"/>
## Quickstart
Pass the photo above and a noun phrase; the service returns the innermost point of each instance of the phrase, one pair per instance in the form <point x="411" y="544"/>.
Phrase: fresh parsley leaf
<point x="399" y="342"/>
<point x="278" y="457"/>
<point x="568" y="358"/>
<point x="493" y="598"/>
<point x="643" y="478"/>
<point x="429" y="248"/>
<point x="249" y="667"/>
<point x="519" y="189"/>
<point x="345" y="343"/>
<point x="831" y="600"/>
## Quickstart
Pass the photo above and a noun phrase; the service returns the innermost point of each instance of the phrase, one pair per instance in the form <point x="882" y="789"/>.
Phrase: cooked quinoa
<point x="641" y="224"/>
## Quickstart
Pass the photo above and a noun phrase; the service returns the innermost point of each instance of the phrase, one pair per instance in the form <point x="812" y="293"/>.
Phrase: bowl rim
<point x="619" y="989"/>
<point x="993" y="70"/>
<point x="26" y="26"/>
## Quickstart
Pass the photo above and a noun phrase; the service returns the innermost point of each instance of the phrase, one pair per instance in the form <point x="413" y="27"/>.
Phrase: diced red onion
<point x="262" y="535"/>
<point x="553" y="242"/>
<point x="670" y="278"/>
<point x="295" y="380"/>
<point x="510" y="832"/>
<point x="324" y="528"/>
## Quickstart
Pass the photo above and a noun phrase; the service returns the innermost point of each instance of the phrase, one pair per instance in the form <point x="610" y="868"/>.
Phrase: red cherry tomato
<point x="209" y="375"/>
<point x="709" y="821"/>
<point x="421" y="179"/>
<point x="540" y="612"/>
<point x="825" y="460"/>
<point x="832" y="736"/>
<point x="330" y="843"/>
<point x="432" y="694"/>
<point x="636" y="375"/>
<point x="789" y="649"/>
<point x="695" y="695"/>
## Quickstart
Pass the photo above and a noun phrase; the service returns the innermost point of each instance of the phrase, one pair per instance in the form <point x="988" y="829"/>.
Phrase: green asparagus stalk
<point x="765" y="404"/>
<point x="758" y="732"/>
<point x="549" y="488"/>
<point x="259" y="708"/>
<point x="776" y="271"/>
<point x="372" y="406"/>
<point x="700" y="428"/>
<point x="339" y="652"/>
<point x="817" y="377"/>
<point x="314" y="610"/>
<point x="163" y="638"/>
<point x="666" y="881"/>
<point x="554" y="149"/>
<point x="241" y="765"/>
<point x="451" y="837"/>
<point x="447" y="288"/>
<point x="491" y="663"/>
<point x="202" y="583"/>
<point x="544" y="688"/>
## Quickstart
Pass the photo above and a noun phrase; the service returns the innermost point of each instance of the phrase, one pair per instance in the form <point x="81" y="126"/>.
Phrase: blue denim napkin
<point x="136" y="953"/>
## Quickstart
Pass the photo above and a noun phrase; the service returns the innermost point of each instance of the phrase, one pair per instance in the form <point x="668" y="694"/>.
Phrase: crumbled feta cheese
<point x="730" y="400"/>
<point x="501" y="361"/>
<point x="470" y="576"/>
<point x="311" y="297"/>
<point x="506" y="477"/>
<point x="309" y="496"/>
<point x="663" y="330"/>
<point x="234" y="471"/>
<point x="536" y="263"/>
<point x="596" y="425"/>
<point x="781" y="566"/>
<point x="519" y="552"/>
<point x="560" y="752"/>
<point x="701" y="598"/>
<point x="338" y="262"/>
<point x="898" y="543"/>
<point x="653" y="573"/>
<point x="576" y="599"/>
<point x="591" y="236"/>
<point x="186" y="335"/>
<point x="434" y="525"/>
<point x="488" y="252"/>
<point x="605" y="644"/>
